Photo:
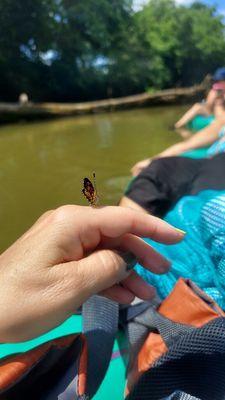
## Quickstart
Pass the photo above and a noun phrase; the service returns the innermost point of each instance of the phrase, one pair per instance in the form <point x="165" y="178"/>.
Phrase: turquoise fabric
<point x="197" y="153"/>
<point x="70" y="326"/>
<point x="200" y="122"/>
<point x="201" y="255"/>
<point x="215" y="148"/>
<point x="219" y="146"/>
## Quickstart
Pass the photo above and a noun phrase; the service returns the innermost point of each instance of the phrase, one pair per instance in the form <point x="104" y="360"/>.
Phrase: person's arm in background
<point x="210" y="100"/>
<point x="68" y="255"/>
<point x="203" y="138"/>
<point x="204" y="108"/>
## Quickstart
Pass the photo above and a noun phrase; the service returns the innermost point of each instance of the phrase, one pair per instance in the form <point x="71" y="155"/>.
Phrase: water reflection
<point x="105" y="131"/>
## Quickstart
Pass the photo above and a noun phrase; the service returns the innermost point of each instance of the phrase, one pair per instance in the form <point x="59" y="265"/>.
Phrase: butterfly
<point x="89" y="191"/>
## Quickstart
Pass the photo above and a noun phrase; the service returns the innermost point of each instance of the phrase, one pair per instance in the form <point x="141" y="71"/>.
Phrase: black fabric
<point x="43" y="378"/>
<point x="211" y="175"/>
<point x="180" y="396"/>
<point x="194" y="364"/>
<point x="166" y="180"/>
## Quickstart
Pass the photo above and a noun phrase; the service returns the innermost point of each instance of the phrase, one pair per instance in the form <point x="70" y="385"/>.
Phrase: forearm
<point x="174" y="150"/>
<point x="203" y="138"/>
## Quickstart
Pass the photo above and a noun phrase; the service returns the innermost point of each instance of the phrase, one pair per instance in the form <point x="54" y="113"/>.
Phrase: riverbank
<point x="10" y="112"/>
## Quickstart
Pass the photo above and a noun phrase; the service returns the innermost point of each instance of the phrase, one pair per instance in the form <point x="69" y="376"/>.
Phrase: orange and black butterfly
<point x="90" y="192"/>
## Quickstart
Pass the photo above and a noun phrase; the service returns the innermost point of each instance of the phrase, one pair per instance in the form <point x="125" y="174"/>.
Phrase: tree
<point x="186" y="43"/>
<point x="77" y="35"/>
<point x="66" y="50"/>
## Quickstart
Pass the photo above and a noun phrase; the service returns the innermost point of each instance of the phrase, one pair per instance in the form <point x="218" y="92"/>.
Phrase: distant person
<point x="214" y="103"/>
<point x="23" y="99"/>
<point x="213" y="136"/>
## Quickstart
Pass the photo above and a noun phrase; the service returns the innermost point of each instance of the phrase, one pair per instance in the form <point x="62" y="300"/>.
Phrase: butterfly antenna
<point x="94" y="180"/>
<point x="95" y="187"/>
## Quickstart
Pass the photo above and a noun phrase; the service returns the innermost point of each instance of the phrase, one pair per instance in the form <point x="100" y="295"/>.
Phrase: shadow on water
<point x="42" y="164"/>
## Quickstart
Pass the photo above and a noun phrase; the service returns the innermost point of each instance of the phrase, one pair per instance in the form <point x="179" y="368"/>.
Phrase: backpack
<point x="176" y="352"/>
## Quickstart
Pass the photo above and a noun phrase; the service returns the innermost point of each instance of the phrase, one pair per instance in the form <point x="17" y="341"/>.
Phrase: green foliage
<point x="66" y="50"/>
<point x="186" y="43"/>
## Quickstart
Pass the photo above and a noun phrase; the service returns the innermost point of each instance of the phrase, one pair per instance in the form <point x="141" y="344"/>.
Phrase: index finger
<point x="117" y="221"/>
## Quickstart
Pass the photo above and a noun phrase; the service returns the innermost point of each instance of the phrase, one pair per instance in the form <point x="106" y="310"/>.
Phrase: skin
<point x="196" y="109"/>
<point x="126" y="202"/>
<point x="70" y="254"/>
<point x="203" y="138"/>
<point x="214" y="104"/>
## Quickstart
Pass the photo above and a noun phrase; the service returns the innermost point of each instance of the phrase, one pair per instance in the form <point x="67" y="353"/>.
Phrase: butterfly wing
<point x="89" y="192"/>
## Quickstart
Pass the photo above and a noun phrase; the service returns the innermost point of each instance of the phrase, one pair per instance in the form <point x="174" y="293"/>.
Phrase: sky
<point x="220" y="4"/>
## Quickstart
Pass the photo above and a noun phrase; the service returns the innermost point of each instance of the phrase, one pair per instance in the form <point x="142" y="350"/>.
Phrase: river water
<point x="42" y="164"/>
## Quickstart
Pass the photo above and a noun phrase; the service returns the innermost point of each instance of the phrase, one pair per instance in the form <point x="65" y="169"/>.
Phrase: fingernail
<point x="129" y="258"/>
<point x="180" y="231"/>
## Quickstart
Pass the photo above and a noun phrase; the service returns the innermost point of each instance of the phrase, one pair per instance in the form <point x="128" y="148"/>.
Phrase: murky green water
<point x="42" y="164"/>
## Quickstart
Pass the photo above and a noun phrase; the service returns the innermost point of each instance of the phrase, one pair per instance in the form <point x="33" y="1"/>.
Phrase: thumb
<point x="101" y="270"/>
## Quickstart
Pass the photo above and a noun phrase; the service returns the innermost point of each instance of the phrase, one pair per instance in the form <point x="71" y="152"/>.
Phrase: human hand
<point x="139" y="166"/>
<point x="70" y="254"/>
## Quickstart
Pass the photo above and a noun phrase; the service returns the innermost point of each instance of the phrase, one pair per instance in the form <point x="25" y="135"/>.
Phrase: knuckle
<point x="82" y="278"/>
<point x="46" y="215"/>
<point x="112" y="263"/>
<point x="60" y="214"/>
<point x="154" y="229"/>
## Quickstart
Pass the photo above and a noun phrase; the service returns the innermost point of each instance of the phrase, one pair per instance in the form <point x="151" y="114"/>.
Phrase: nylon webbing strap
<point x="100" y="325"/>
<point x="150" y="321"/>
<point x="136" y="328"/>
<point x="169" y="330"/>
